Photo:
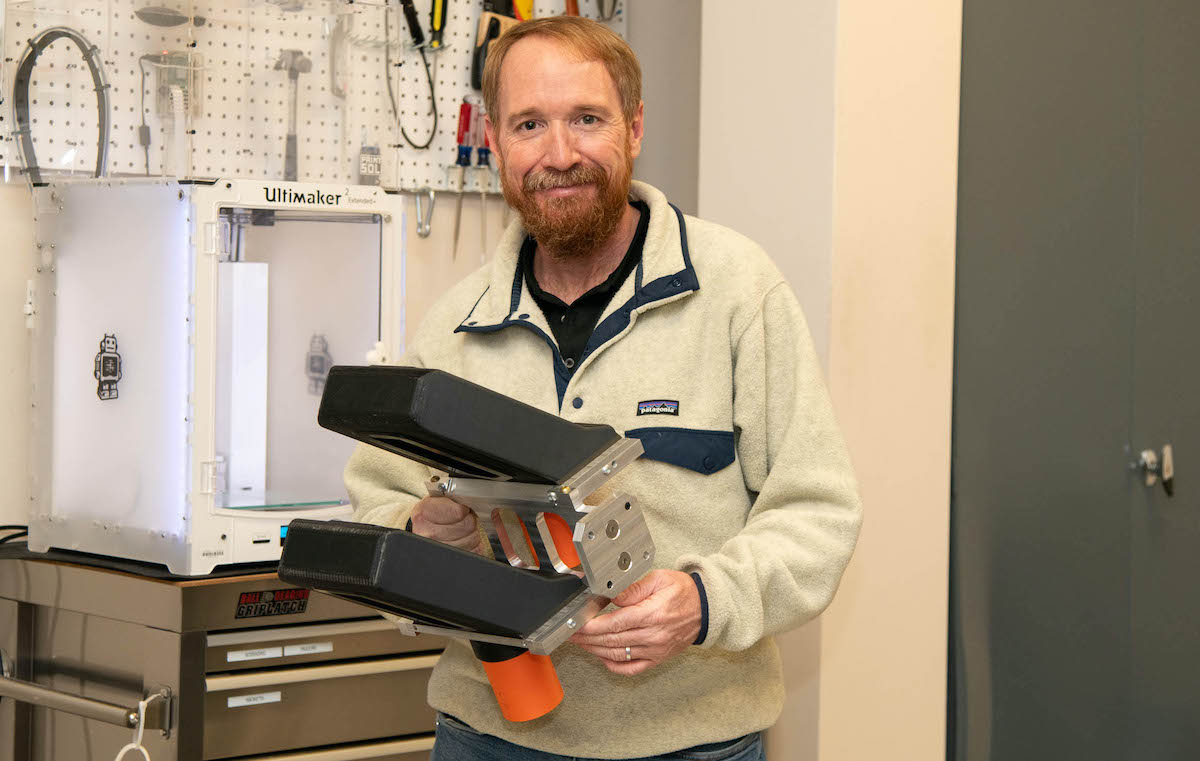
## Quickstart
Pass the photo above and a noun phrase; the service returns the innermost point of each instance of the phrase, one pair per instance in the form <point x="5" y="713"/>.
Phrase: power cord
<point x="387" y="73"/>
<point x="144" y="129"/>
<point x="24" y="76"/>
<point x="141" y="728"/>
<point x="22" y="531"/>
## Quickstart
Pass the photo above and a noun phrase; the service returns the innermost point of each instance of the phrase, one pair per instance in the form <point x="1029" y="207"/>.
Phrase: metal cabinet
<point x="254" y="669"/>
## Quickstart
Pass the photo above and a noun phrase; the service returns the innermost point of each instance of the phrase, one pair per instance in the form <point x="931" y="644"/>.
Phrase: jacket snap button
<point x="676" y="282"/>
<point x="708" y="463"/>
<point x="570" y="363"/>
<point x="577" y="403"/>
<point x="523" y="317"/>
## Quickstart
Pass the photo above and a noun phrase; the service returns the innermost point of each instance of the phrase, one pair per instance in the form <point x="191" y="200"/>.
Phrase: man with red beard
<point x="605" y="304"/>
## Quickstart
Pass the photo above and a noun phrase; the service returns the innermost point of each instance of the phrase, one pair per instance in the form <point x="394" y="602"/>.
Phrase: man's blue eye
<point x="588" y="119"/>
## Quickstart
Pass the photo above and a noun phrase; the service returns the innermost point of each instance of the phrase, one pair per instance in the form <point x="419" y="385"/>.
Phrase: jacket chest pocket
<point x="704" y="452"/>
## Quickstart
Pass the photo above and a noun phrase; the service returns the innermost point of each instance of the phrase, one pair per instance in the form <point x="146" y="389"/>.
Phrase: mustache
<point x="548" y="179"/>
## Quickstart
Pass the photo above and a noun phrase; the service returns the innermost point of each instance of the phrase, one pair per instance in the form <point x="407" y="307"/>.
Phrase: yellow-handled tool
<point x="437" y="23"/>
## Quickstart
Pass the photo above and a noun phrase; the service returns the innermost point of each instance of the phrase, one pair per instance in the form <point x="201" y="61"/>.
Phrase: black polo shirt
<point x="572" y="324"/>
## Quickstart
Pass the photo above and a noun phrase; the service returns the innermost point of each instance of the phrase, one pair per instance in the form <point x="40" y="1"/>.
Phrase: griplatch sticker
<point x="274" y="602"/>
<point x="108" y="367"/>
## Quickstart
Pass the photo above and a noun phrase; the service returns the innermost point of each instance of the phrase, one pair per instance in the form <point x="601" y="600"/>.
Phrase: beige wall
<point x="883" y="647"/>
<point x="16" y="244"/>
<point x="869" y="247"/>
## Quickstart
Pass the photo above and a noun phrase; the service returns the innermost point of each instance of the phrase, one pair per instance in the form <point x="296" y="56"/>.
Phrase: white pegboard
<point x="240" y="127"/>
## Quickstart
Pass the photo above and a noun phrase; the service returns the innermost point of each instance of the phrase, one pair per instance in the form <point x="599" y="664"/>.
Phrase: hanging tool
<point x="496" y="19"/>
<point x="572" y="8"/>
<point x="483" y="155"/>
<point x="418" y="41"/>
<point x="437" y="24"/>
<point x="414" y="23"/>
<point x="294" y="63"/>
<point x="462" y="161"/>
<point x="608" y="9"/>
<point x="523" y="9"/>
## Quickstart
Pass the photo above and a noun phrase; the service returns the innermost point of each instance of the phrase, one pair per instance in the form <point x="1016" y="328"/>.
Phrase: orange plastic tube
<point x="564" y="543"/>
<point x="526" y="687"/>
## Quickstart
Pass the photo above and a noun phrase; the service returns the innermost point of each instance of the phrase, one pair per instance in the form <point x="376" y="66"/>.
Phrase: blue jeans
<point x="458" y="742"/>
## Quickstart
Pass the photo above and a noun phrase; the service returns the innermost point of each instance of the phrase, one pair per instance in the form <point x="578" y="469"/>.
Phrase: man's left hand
<point x="659" y="616"/>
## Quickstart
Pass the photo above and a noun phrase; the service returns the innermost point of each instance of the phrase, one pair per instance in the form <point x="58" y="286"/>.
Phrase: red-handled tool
<point x="462" y="161"/>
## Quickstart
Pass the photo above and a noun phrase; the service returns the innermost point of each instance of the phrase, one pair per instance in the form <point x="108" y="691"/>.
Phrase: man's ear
<point x="489" y="129"/>
<point x="637" y="128"/>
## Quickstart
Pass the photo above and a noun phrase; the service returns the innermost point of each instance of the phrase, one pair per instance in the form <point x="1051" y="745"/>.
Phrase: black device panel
<point x="400" y="572"/>
<point x="451" y="424"/>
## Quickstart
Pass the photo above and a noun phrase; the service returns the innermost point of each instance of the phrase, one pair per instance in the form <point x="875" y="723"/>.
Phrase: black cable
<point x="91" y="56"/>
<point x="387" y="73"/>
<point x="14" y="527"/>
<point x="11" y="537"/>
<point x="144" y="130"/>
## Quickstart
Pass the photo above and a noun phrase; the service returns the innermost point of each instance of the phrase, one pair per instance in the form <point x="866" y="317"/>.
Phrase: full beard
<point x="570" y="227"/>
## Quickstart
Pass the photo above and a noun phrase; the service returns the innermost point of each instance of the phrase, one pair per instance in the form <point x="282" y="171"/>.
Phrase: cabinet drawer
<point x="408" y="749"/>
<point x="284" y="709"/>
<point x="293" y="645"/>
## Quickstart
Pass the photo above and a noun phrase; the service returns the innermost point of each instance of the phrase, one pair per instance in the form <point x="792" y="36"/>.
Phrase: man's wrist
<point x="703" y="635"/>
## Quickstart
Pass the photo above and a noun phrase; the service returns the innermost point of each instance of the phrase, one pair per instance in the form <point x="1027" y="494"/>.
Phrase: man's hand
<point x="659" y="617"/>
<point x="448" y="522"/>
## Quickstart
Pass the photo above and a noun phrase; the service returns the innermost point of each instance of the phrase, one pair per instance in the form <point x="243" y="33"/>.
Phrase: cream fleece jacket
<point x="748" y="483"/>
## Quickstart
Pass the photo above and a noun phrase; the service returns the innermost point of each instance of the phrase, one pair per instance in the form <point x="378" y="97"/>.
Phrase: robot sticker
<point x="317" y="363"/>
<point x="108" y="368"/>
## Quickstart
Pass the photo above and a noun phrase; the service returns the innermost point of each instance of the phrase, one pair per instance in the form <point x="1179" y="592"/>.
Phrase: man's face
<point x="563" y="146"/>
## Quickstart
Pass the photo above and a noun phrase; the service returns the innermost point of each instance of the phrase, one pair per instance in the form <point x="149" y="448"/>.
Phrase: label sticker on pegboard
<point x="229" y="88"/>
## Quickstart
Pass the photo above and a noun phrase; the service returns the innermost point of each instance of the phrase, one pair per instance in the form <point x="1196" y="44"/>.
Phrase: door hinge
<point x="29" y="309"/>
<point x="212" y="238"/>
<point x="212" y="476"/>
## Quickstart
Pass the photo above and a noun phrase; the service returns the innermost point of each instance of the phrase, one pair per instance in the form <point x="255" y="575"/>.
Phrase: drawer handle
<point x="317" y="673"/>
<point x="371" y="752"/>
<point x="298" y="632"/>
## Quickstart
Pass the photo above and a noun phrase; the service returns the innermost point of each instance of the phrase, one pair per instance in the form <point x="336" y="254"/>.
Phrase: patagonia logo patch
<point x="658" y="407"/>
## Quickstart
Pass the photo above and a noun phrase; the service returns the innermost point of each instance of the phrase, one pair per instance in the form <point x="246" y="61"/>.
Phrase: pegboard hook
<point x="425" y="215"/>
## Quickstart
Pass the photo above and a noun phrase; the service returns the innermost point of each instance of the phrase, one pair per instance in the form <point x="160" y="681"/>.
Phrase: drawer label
<point x="308" y="648"/>
<point x="235" y="656"/>
<point x="261" y="698"/>
<point x="273" y="602"/>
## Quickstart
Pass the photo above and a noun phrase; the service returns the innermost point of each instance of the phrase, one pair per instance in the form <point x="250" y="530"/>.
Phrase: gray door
<point x="1075" y="615"/>
<point x="1166" y="360"/>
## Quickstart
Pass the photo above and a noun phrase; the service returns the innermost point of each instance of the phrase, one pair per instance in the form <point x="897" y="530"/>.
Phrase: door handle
<point x="1154" y="467"/>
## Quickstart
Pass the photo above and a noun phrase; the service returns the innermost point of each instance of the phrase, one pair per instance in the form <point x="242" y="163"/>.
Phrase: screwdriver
<point x="437" y="23"/>
<point x="483" y="155"/>
<point x="462" y="161"/>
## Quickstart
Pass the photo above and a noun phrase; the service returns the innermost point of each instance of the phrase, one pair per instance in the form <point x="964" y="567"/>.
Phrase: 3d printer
<point x="181" y="331"/>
